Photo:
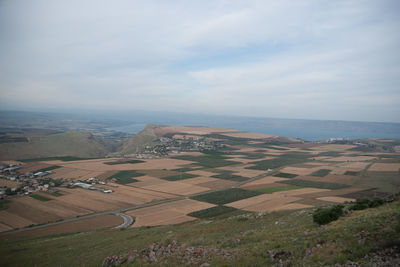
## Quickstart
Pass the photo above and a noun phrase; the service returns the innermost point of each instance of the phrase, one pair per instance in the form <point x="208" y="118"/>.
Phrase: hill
<point x="284" y="238"/>
<point x="137" y="143"/>
<point x="78" y="144"/>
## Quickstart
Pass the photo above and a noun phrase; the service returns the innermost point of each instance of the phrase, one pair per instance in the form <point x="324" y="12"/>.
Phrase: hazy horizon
<point x="310" y="60"/>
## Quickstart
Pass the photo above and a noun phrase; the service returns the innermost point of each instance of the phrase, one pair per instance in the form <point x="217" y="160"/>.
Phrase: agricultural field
<point x="248" y="173"/>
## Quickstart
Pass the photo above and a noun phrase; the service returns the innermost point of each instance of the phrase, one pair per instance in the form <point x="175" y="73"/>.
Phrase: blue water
<point x="310" y="130"/>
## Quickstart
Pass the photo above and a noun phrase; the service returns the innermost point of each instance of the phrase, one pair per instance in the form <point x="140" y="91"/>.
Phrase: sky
<point x="323" y="59"/>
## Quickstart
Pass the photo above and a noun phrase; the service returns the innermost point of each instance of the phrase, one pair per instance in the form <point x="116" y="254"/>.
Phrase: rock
<point x="205" y="265"/>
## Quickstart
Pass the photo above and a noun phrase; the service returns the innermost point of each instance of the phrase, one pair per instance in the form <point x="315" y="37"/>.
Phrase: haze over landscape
<point x="306" y="59"/>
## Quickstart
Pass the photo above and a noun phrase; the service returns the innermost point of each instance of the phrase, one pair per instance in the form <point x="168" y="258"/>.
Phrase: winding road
<point x="128" y="220"/>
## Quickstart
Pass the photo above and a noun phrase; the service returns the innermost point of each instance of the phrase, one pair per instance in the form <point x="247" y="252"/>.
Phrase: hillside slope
<point x="136" y="144"/>
<point x="284" y="238"/>
<point x="78" y="144"/>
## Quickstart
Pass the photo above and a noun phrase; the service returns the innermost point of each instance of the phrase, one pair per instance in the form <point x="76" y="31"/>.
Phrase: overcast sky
<point x="288" y="59"/>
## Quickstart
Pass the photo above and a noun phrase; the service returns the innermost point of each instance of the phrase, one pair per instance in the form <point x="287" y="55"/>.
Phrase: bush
<point x="327" y="215"/>
<point x="365" y="203"/>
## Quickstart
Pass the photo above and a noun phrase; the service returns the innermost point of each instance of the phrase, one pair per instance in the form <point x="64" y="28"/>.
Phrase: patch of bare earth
<point x="94" y="223"/>
<point x="167" y="213"/>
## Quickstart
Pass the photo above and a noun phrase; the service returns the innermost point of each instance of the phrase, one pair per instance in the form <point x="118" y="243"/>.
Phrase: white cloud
<point x="319" y="59"/>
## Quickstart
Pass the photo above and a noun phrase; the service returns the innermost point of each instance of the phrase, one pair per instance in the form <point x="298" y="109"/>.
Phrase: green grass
<point x="55" y="194"/>
<point x="212" y="212"/>
<point x="382" y="181"/>
<point x="226" y="196"/>
<point x="133" y="161"/>
<point x="275" y="148"/>
<point x="48" y="168"/>
<point x="231" y="177"/>
<point x="279" y="188"/>
<point x="315" y="184"/>
<point x="330" y="154"/>
<point x="209" y="160"/>
<point x="65" y="158"/>
<point x="285" y="175"/>
<point x="4" y="204"/>
<point x="126" y="177"/>
<point x="181" y="176"/>
<point x="281" y="161"/>
<point x="333" y="243"/>
<point x="321" y="173"/>
<point x="40" y="197"/>
<point x="184" y="169"/>
<point x="351" y="173"/>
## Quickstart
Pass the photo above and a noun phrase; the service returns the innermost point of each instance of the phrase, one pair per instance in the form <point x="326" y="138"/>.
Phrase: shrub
<point x="327" y="215"/>
<point x="365" y="203"/>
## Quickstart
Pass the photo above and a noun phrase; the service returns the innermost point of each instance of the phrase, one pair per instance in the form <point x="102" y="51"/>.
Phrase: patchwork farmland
<point x="250" y="173"/>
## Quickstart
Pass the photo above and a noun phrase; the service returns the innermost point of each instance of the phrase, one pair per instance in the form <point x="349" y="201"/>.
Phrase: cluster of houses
<point x="91" y="184"/>
<point x="176" y="144"/>
<point x="29" y="182"/>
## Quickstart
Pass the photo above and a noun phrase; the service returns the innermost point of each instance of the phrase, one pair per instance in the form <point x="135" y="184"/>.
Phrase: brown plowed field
<point x="60" y="209"/>
<point x="271" y="205"/>
<point x="32" y="213"/>
<point x="33" y="166"/>
<point x="4" y="227"/>
<point x="13" y="220"/>
<point x="385" y="167"/>
<point x="167" y="213"/>
<point x="265" y="180"/>
<point x="98" y="222"/>
<point x="337" y="199"/>
<point x="331" y="178"/>
<point x="8" y="183"/>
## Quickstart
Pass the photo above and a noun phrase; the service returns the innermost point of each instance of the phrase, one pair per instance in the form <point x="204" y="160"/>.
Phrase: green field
<point x="226" y="196"/>
<point x="279" y="188"/>
<point x="39" y="197"/>
<point x="285" y="175"/>
<point x="231" y="177"/>
<point x="382" y="181"/>
<point x="126" y="177"/>
<point x="209" y="160"/>
<point x="181" y="176"/>
<point x="4" y="204"/>
<point x="321" y="173"/>
<point x="133" y="161"/>
<point x="212" y="212"/>
<point x="281" y="161"/>
<point x="315" y="184"/>
<point x="184" y="169"/>
<point x="330" y="154"/>
<point x="275" y="148"/>
<point x="55" y="194"/>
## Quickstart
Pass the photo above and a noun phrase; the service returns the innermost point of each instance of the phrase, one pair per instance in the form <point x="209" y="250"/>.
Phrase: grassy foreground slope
<point x="78" y="144"/>
<point x="248" y="239"/>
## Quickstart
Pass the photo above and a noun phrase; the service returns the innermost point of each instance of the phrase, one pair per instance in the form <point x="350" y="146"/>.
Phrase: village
<point x="29" y="182"/>
<point x="176" y="144"/>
